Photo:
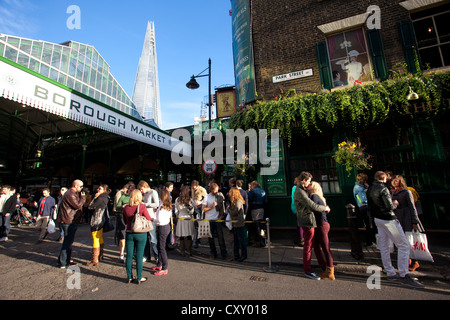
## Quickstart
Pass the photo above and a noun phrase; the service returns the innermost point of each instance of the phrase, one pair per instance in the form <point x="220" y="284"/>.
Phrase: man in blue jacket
<point x="257" y="199"/>
<point x="46" y="206"/>
<point x="359" y="193"/>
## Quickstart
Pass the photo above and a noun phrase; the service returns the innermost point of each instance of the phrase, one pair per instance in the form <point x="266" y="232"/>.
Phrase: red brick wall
<point x="285" y="34"/>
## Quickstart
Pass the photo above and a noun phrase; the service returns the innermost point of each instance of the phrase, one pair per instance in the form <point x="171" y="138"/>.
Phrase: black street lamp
<point x="193" y="84"/>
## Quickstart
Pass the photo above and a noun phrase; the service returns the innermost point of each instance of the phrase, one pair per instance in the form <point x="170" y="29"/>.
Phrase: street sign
<point x="209" y="166"/>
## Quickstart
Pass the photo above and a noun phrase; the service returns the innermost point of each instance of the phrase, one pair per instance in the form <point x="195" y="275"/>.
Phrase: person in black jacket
<point x="9" y="207"/>
<point x="389" y="229"/>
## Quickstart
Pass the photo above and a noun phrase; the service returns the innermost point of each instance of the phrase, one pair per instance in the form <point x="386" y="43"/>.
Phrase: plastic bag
<point x="51" y="227"/>
<point x="419" y="246"/>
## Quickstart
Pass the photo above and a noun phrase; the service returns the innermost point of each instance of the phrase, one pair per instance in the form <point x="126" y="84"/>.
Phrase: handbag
<point x="108" y="225"/>
<point x="140" y="224"/>
<point x="419" y="245"/>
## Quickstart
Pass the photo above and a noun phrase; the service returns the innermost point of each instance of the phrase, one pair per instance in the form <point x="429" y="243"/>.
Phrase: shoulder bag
<point x="140" y="224"/>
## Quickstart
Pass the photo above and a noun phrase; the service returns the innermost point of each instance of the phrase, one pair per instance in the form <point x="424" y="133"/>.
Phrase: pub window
<point x="432" y="30"/>
<point x="314" y="155"/>
<point x="349" y="58"/>
<point x="392" y="150"/>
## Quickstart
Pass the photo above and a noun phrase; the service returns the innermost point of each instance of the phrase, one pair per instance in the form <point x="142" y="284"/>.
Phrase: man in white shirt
<point x="209" y="207"/>
<point x="151" y="200"/>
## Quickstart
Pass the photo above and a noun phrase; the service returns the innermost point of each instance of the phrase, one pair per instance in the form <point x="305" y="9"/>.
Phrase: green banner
<point x="242" y="52"/>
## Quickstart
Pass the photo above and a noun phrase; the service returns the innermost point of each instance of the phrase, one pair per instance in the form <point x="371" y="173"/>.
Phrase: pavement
<point x="285" y="252"/>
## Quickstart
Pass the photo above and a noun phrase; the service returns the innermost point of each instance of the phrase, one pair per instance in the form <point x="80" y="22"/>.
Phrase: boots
<point x="181" y="244"/>
<point x="100" y="257"/>
<point x="328" y="274"/>
<point x="189" y="247"/>
<point x="94" y="260"/>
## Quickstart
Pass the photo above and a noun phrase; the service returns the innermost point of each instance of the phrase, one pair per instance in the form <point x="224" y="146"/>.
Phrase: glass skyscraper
<point x="73" y="64"/>
<point x="146" y="86"/>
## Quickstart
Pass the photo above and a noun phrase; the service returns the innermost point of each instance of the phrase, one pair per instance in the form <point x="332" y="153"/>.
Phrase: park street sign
<point x="293" y="75"/>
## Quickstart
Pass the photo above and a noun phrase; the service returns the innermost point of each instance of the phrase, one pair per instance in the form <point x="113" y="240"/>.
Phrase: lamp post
<point x="193" y="84"/>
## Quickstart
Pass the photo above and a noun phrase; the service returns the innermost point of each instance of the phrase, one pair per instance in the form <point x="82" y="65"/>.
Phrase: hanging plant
<point x="355" y="107"/>
<point x="351" y="156"/>
<point x="245" y="169"/>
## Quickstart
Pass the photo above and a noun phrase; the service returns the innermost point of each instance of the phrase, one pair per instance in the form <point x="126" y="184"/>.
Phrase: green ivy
<point x="355" y="107"/>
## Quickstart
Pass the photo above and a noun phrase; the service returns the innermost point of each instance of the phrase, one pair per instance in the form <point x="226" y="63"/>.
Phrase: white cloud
<point x="14" y="18"/>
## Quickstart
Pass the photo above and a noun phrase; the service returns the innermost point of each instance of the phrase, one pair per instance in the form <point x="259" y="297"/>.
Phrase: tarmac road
<point x="29" y="272"/>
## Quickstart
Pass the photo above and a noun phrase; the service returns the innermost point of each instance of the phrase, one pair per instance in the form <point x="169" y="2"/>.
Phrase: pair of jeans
<point x="5" y="225"/>
<point x="66" y="249"/>
<point x="322" y="245"/>
<point x="135" y="241"/>
<point x="392" y="230"/>
<point x="163" y="234"/>
<point x="239" y="243"/>
<point x="308" y="236"/>
<point x="217" y="232"/>
<point x="152" y="244"/>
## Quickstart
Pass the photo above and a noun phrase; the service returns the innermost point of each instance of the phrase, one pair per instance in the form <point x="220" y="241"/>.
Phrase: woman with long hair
<point x="406" y="211"/>
<point x="134" y="240"/>
<point x="321" y="241"/>
<point x="185" y="229"/>
<point x="98" y="207"/>
<point x="236" y="210"/>
<point x="163" y="222"/>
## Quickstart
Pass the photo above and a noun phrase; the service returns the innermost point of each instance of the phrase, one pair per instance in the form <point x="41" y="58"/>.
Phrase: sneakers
<point x="4" y="239"/>
<point x="395" y="277"/>
<point x="412" y="282"/>
<point x="312" y="275"/>
<point x="161" y="273"/>
<point x="156" y="268"/>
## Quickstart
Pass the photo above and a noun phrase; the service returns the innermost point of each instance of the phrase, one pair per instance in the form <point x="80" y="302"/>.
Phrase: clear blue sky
<point x="188" y="33"/>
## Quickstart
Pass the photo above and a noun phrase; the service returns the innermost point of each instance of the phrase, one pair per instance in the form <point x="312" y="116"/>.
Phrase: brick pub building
<point x="308" y="46"/>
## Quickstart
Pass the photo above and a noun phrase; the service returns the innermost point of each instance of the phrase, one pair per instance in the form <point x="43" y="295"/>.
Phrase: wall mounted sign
<point x="23" y="86"/>
<point x="293" y="75"/>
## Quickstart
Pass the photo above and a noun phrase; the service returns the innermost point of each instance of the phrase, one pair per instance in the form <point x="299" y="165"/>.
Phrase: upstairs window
<point x="432" y="30"/>
<point x="349" y="58"/>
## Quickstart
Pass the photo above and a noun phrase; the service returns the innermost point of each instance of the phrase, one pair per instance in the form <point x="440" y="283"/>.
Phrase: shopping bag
<point x="204" y="230"/>
<point x="419" y="246"/>
<point x="51" y="227"/>
<point x="227" y="221"/>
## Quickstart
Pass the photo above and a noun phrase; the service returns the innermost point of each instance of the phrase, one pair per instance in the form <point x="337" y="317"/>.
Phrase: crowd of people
<point x="388" y="208"/>
<point x="173" y="212"/>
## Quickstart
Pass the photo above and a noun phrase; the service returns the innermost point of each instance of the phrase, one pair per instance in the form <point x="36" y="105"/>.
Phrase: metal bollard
<point x="270" y="268"/>
<point x="355" y="243"/>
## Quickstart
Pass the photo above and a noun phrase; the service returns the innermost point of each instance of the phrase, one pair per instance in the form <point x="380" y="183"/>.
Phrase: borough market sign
<point x="20" y="85"/>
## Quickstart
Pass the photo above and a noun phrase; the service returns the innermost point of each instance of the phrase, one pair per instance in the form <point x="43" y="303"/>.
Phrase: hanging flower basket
<point x="352" y="157"/>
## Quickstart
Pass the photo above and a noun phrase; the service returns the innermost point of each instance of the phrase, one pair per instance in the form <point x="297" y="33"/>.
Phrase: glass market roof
<point x="73" y="64"/>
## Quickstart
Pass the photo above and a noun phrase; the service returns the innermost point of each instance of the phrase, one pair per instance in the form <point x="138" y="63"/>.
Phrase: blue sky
<point x="188" y="33"/>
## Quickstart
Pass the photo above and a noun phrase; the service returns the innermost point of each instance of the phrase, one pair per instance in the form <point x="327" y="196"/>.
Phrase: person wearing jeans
<point x="163" y="221"/>
<point x="69" y="215"/>
<point x="134" y="240"/>
<point x="389" y="228"/>
<point x="306" y="220"/>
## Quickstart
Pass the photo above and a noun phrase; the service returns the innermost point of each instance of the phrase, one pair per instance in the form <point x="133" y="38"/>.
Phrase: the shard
<point x="146" y="86"/>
